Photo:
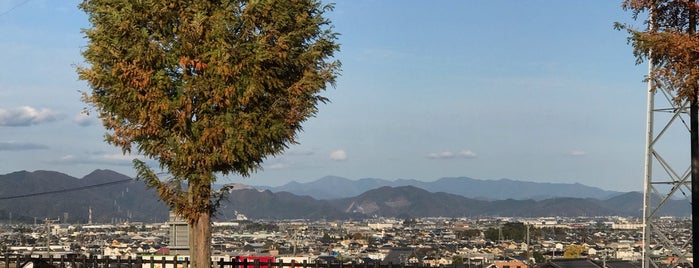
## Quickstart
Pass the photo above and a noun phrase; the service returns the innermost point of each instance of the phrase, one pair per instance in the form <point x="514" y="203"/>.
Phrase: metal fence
<point x="68" y="261"/>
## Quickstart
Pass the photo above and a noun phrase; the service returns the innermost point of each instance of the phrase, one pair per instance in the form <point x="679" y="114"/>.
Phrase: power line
<point x="14" y="7"/>
<point x="65" y="190"/>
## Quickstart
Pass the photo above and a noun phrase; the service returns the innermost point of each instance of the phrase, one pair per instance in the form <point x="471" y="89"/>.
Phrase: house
<point x="587" y="263"/>
<point x="512" y="263"/>
<point x="400" y="255"/>
<point x="569" y="263"/>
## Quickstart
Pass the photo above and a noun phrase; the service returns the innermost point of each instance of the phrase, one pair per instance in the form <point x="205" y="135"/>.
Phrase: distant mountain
<point x="115" y="197"/>
<point x="410" y="201"/>
<point x="111" y="196"/>
<point x="332" y="187"/>
<point x="283" y="205"/>
<point x="632" y="202"/>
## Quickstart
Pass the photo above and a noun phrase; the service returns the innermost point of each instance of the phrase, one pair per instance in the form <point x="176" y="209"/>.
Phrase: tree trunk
<point x="200" y="224"/>
<point x="200" y="241"/>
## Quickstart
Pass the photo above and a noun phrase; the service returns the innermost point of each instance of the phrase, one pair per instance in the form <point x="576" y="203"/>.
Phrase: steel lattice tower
<point x="666" y="123"/>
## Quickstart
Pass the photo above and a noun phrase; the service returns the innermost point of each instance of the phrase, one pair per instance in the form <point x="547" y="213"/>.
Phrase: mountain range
<point x="28" y="196"/>
<point x="473" y="188"/>
<point x="113" y="197"/>
<point x="413" y="202"/>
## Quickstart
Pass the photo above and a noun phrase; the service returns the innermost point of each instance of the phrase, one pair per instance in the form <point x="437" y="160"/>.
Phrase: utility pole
<point x="48" y="234"/>
<point x="694" y="143"/>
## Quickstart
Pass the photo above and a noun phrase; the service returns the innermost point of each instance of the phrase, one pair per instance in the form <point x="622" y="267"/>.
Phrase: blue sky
<point x="543" y="91"/>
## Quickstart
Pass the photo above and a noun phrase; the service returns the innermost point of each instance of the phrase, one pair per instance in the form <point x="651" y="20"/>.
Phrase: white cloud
<point x="84" y="119"/>
<point x="467" y="154"/>
<point x="21" y="146"/>
<point x="452" y="155"/>
<point x="338" y="155"/>
<point x="279" y="165"/>
<point x="25" y="116"/>
<point x="441" y="155"/>
<point x="118" y="157"/>
<point x="576" y="153"/>
<point x="68" y="157"/>
<point x="98" y="158"/>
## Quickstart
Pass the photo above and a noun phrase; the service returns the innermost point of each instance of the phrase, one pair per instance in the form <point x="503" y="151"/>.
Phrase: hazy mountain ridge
<point x="125" y="201"/>
<point x="132" y="201"/>
<point x="410" y="201"/>
<point x="464" y="186"/>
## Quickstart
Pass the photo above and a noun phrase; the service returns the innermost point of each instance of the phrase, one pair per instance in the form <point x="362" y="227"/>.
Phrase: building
<point x="179" y="235"/>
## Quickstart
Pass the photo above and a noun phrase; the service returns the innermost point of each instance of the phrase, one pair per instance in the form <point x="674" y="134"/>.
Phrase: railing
<point x="17" y="261"/>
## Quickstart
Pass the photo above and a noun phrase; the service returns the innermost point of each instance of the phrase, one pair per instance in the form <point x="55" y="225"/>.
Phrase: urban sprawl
<point x="480" y="242"/>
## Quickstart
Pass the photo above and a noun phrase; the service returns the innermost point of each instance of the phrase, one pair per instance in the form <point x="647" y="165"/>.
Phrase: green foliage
<point x="525" y="255"/>
<point x="357" y="236"/>
<point x="549" y="233"/>
<point x="468" y="234"/>
<point x="457" y="260"/>
<point x="410" y="222"/>
<point x="371" y="240"/>
<point x="326" y="237"/>
<point x="270" y="245"/>
<point x="510" y="231"/>
<point x="538" y="257"/>
<point x="261" y="226"/>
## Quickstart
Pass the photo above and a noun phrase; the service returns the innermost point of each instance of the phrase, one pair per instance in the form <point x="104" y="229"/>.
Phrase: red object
<point x="262" y="260"/>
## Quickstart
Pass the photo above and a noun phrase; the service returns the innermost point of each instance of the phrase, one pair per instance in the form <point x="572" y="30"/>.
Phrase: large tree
<point x="671" y="44"/>
<point x="206" y="88"/>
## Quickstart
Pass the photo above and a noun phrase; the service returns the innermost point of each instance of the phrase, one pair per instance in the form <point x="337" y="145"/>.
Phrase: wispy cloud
<point x="576" y="153"/>
<point x="84" y="119"/>
<point x="299" y="152"/>
<point x="25" y="116"/>
<point x="21" y="146"/>
<point x="338" y="155"/>
<point x="98" y="158"/>
<point x="451" y="155"/>
<point x="278" y="165"/>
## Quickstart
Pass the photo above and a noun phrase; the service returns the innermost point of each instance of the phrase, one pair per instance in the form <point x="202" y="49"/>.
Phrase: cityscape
<point x="250" y="224"/>
<point x="478" y="242"/>
<point x="154" y="114"/>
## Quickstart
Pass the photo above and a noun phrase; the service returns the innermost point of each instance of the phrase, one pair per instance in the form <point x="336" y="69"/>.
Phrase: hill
<point x="464" y="186"/>
<point x="411" y="202"/>
<point x="114" y="197"/>
<point x="46" y="194"/>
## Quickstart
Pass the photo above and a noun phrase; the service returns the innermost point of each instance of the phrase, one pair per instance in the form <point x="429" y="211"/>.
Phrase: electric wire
<point x="66" y="190"/>
<point x="14" y="7"/>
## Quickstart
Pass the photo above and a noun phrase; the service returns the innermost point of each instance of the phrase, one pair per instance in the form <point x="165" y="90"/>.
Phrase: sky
<point x="542" y="91"/>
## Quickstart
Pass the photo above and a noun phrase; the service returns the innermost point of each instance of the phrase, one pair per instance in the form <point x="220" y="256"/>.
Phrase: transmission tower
<point x="667" y="177"/>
